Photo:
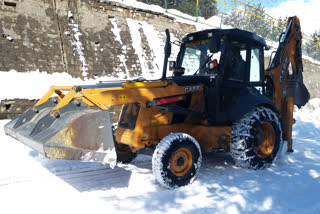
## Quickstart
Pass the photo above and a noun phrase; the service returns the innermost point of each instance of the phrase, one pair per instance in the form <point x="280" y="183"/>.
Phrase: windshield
<point x="196" y="58"/>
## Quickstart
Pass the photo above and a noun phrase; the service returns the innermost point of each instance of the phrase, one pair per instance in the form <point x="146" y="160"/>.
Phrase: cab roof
<point x="232" y="34"/>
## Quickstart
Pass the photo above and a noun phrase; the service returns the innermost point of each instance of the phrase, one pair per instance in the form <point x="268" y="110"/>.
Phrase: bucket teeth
<point x="49" y="119"/>
<point x="29" y="114"/>
<point x="43" y="124"/>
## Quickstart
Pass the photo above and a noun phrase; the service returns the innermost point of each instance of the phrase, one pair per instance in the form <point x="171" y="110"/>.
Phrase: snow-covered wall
<point x="86" y="38"/>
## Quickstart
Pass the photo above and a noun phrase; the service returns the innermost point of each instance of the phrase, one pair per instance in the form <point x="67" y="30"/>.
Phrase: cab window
<point x="256" y="69"/>
<point x="197" y="58"/>
<point x="255" y="65"/>
<point x="236" y="62"/>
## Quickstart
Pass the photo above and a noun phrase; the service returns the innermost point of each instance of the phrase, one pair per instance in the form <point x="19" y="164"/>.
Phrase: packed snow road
<point x="30" y="183"/>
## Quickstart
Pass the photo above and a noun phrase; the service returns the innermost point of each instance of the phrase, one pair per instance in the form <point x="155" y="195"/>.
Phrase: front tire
<point x="257" y="139"/>
<point x="176" y="160"/>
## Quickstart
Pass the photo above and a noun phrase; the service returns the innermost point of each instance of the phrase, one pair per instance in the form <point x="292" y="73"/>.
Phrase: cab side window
<point x="255" y="65"/>
<point x="255" y="69"/>
<point x="236" y="62"/>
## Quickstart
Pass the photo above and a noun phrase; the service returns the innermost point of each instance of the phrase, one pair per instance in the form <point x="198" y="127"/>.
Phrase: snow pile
<point x="122" y="57"/>
<point x="310" y="59"/>
<point x="135" y="26"/>
<point x="310" y="114"/>
<point x="201" y="24"/>
<point x="151" y="66"/>
<point x="34" y="84"/>
<point x="77" y="43"/>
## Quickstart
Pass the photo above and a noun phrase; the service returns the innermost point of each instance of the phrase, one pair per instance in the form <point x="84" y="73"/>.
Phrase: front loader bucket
<point x="78" y="133"/>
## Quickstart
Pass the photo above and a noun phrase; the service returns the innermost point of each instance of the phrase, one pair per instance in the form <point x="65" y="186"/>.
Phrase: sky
<point x="307" y="12"/>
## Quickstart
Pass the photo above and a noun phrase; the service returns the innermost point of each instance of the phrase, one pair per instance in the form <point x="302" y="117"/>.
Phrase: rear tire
<point x="124" y="153"/>
<point x="176" y="160"/>
<point x="257" y="139"/>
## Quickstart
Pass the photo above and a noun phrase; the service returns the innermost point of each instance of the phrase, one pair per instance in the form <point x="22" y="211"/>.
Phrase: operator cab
<point x="233" y="54"/>
<point x="229" y="62"/>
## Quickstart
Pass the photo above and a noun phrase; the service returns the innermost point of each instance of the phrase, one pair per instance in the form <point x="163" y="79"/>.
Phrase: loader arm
<point x="285" y="71"/>
<point x="104" y="98"/>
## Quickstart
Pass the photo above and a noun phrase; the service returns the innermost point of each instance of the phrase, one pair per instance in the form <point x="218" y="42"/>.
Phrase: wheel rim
<point x="267" y="134"/>
<point x="181" y="162"/>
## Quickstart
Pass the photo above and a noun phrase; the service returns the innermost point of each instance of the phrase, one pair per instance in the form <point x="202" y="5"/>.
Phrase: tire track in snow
<point x="14" y="180"/>
<point x="104" y="177"/>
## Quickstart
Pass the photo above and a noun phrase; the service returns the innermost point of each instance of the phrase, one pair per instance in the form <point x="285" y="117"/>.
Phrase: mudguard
<point x="243" y="100"/>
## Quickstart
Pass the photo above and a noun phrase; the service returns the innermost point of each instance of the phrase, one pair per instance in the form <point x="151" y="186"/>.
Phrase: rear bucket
<point x="79" y="133"/>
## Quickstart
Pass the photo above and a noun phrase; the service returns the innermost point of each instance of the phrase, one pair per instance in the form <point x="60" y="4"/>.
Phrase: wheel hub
<point x="264" y="140"/>
<point x="181" y="161"/>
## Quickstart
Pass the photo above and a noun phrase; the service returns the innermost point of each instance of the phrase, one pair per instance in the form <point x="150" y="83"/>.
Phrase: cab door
<point x="243" y="80"/>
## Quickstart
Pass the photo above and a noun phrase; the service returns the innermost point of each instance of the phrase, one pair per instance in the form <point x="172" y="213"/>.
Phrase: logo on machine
<point x="284" y="69"/>
<point x="191" y="89"/>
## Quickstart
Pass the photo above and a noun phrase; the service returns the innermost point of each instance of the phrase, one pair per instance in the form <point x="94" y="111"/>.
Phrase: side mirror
<point x="172" y="64"/>
<point x="214" y="44"/>
<point x="178" y="71"/>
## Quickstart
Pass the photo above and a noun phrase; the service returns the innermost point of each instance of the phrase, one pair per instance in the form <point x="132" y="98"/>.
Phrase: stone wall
<point x="10" y="109"/>
<point x="76" y="36"/>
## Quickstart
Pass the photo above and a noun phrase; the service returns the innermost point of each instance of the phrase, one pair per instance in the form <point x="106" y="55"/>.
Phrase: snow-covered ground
<point x="30" y="183"/>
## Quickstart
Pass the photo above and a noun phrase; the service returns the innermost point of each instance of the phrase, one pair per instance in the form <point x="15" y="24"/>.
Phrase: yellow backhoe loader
<point x="219" y="98"/>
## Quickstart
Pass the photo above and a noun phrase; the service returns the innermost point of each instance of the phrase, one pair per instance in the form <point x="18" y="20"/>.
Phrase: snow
<point x="310" y="59"/>
<point x="8" y="37"/>
<point x="151" y="65"/>
<point x="122" y="57"/>
<point x="76" y="43"/>
<point x="201" y="24"/>
<point x="30" y="184"/>
<point x="34" y="84"/>
<point x="134" y="27"/>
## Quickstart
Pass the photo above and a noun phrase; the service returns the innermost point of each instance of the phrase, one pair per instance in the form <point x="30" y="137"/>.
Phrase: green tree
<point x="310" y="48"/>
<point x="238" y="19"/>
<point x="207" y="8"/>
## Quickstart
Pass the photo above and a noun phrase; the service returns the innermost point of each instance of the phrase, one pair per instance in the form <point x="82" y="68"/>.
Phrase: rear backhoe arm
<point x="285" y="71"/>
